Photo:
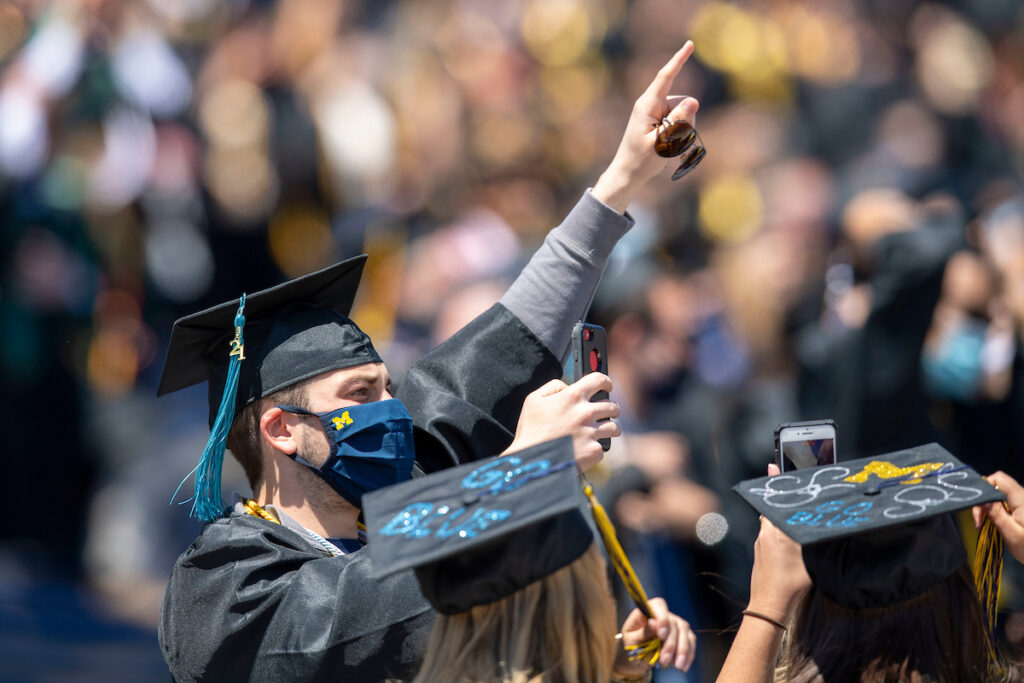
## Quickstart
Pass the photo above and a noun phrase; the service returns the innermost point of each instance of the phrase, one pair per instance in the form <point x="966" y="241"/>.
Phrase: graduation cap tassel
<point x="648" y="650"/>
<point x="988" y="570"/>
<point x="206" y="503"/>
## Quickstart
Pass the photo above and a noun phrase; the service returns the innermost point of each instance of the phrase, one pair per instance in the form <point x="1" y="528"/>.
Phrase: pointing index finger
<point x="662" y="83"/>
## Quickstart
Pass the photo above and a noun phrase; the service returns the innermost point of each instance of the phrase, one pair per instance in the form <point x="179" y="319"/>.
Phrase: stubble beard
<point x="318" y="492"/>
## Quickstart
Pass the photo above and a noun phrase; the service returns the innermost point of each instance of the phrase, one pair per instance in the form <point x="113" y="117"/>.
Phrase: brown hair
<point x="244" y="436"/>
<point x="938" y="637"/>
<point x="557" y="630"/>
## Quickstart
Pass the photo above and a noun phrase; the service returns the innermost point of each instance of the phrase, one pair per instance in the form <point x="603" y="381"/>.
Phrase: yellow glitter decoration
<point x="886" y="470"/>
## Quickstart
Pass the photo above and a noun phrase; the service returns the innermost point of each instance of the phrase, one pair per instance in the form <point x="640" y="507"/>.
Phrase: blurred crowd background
<point x="852" y="247"/>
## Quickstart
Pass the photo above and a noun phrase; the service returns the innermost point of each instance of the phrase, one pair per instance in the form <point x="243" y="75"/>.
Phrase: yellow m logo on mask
<point x="342" y="422"/>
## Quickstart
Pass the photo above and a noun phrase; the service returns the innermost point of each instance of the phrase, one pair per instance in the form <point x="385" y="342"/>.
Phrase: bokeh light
<point x="24" y="140"/>
<point x="731" y="208"/>
<point x="178" y="260"/>
<point x="243" y="182"/>
<point x="300" y="239"/>
<point x="558" y="32"/>
<point x="750" y="48"/>
<point x="13" y="28"/>
<point x="954" y="61"/>
<point x="234" y="113"/>
<point x="502" y="140"/>
<point x="822" y="45"/>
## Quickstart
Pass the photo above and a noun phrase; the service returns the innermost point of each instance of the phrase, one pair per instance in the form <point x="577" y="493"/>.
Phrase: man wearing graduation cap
<point x="273" y="589"/>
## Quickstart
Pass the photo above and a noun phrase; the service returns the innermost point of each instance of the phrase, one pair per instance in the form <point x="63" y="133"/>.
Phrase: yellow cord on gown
<point x="988" y="570"/>
<point x="649" y="650"/>
<point x="254" y="509"/>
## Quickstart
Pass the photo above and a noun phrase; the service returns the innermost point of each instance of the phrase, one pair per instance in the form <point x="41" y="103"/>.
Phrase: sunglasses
<point x="675" y="138"/>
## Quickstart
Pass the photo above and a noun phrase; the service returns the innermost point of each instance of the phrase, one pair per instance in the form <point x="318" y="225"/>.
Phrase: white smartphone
<point x="805" y="444"/>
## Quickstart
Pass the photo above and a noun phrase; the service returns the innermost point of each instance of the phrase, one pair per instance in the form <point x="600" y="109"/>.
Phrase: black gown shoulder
<point x="251" y="600"/>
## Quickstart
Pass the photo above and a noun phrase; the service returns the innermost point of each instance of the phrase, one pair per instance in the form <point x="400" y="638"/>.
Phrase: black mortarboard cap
<point x="875" y="531"/>
<point x="480" y="532"/>
<point x="293" y="331"/>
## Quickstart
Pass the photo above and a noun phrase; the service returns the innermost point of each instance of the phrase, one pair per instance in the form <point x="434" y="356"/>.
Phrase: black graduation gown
<point x="251" y="600"/>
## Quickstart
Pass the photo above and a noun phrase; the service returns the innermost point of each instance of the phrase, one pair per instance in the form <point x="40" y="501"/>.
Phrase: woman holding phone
<point x="881" y="606"/>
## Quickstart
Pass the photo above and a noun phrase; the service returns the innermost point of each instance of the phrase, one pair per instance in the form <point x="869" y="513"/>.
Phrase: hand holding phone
<point x="589" y="354"/>
<point x="805" y="444"/>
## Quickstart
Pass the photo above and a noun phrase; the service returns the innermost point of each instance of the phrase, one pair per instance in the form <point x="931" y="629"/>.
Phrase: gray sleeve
<point x="556" y="286"/>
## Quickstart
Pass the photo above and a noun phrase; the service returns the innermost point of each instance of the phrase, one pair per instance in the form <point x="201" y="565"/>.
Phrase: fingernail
<point x="681" y="662"/>
<point x="663" y="632"/>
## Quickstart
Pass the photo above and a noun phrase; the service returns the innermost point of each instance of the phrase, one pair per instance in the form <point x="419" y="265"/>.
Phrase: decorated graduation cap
<point x="479" y="532"/>
<point x="260" y="343"/>
<point x="853" y="497"/>
<point x="877" y="531"/>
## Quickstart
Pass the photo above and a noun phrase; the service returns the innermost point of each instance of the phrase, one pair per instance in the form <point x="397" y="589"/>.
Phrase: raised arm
<point x="557" y="285"/>
<point x="466" y="395"/>
<point x="777" y="582"/>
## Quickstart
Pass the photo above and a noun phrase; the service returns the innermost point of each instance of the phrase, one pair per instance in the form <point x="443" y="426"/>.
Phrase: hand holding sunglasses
<point x="653" y="116"/>
<point x="677" y="138"/>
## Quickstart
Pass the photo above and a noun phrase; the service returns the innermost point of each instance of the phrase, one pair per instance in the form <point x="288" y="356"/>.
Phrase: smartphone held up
<point x="805" y="444"/>
<point x="589" y="354"/>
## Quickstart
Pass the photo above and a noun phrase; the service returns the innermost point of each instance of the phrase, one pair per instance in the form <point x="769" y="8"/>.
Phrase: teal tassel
<point x="206" y="502"/>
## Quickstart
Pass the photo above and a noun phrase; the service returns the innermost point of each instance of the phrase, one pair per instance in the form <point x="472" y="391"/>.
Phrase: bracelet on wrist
<point x="765" y="617"/>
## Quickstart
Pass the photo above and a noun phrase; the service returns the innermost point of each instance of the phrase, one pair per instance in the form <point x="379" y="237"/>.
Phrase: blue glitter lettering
<point x="481" y="519"/>
<point x="412" y="520"/>
<point x="799" y="517"/>
<point x="831" y="506"/>
<point x="857" y="509"/>
<point x="489" y="474"/>
<point x="444" y="531"/>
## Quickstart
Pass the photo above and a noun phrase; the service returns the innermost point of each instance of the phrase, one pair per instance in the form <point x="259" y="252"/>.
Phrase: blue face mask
<point x="371" y="447"/>
<point x="953" y="369"/>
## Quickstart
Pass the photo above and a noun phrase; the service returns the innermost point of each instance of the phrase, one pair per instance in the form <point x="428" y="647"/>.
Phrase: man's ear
<point x="280" y="429"/>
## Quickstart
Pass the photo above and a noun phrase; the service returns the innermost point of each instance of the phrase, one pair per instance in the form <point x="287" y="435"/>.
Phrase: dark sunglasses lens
<point x="674" y="139"/>
<point x="690" y="161"/>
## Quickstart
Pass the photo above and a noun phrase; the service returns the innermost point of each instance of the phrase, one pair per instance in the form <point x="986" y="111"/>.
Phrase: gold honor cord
<point x="649" y="650"/>
<point x="988" y="571"/>
<point x="254" y="509"/>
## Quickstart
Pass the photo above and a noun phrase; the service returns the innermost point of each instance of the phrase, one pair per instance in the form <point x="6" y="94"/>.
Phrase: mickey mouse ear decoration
<point x="860" y="496"/>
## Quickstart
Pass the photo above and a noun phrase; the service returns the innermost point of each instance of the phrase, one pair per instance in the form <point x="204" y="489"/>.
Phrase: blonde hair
<point x="557" y="630"/>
